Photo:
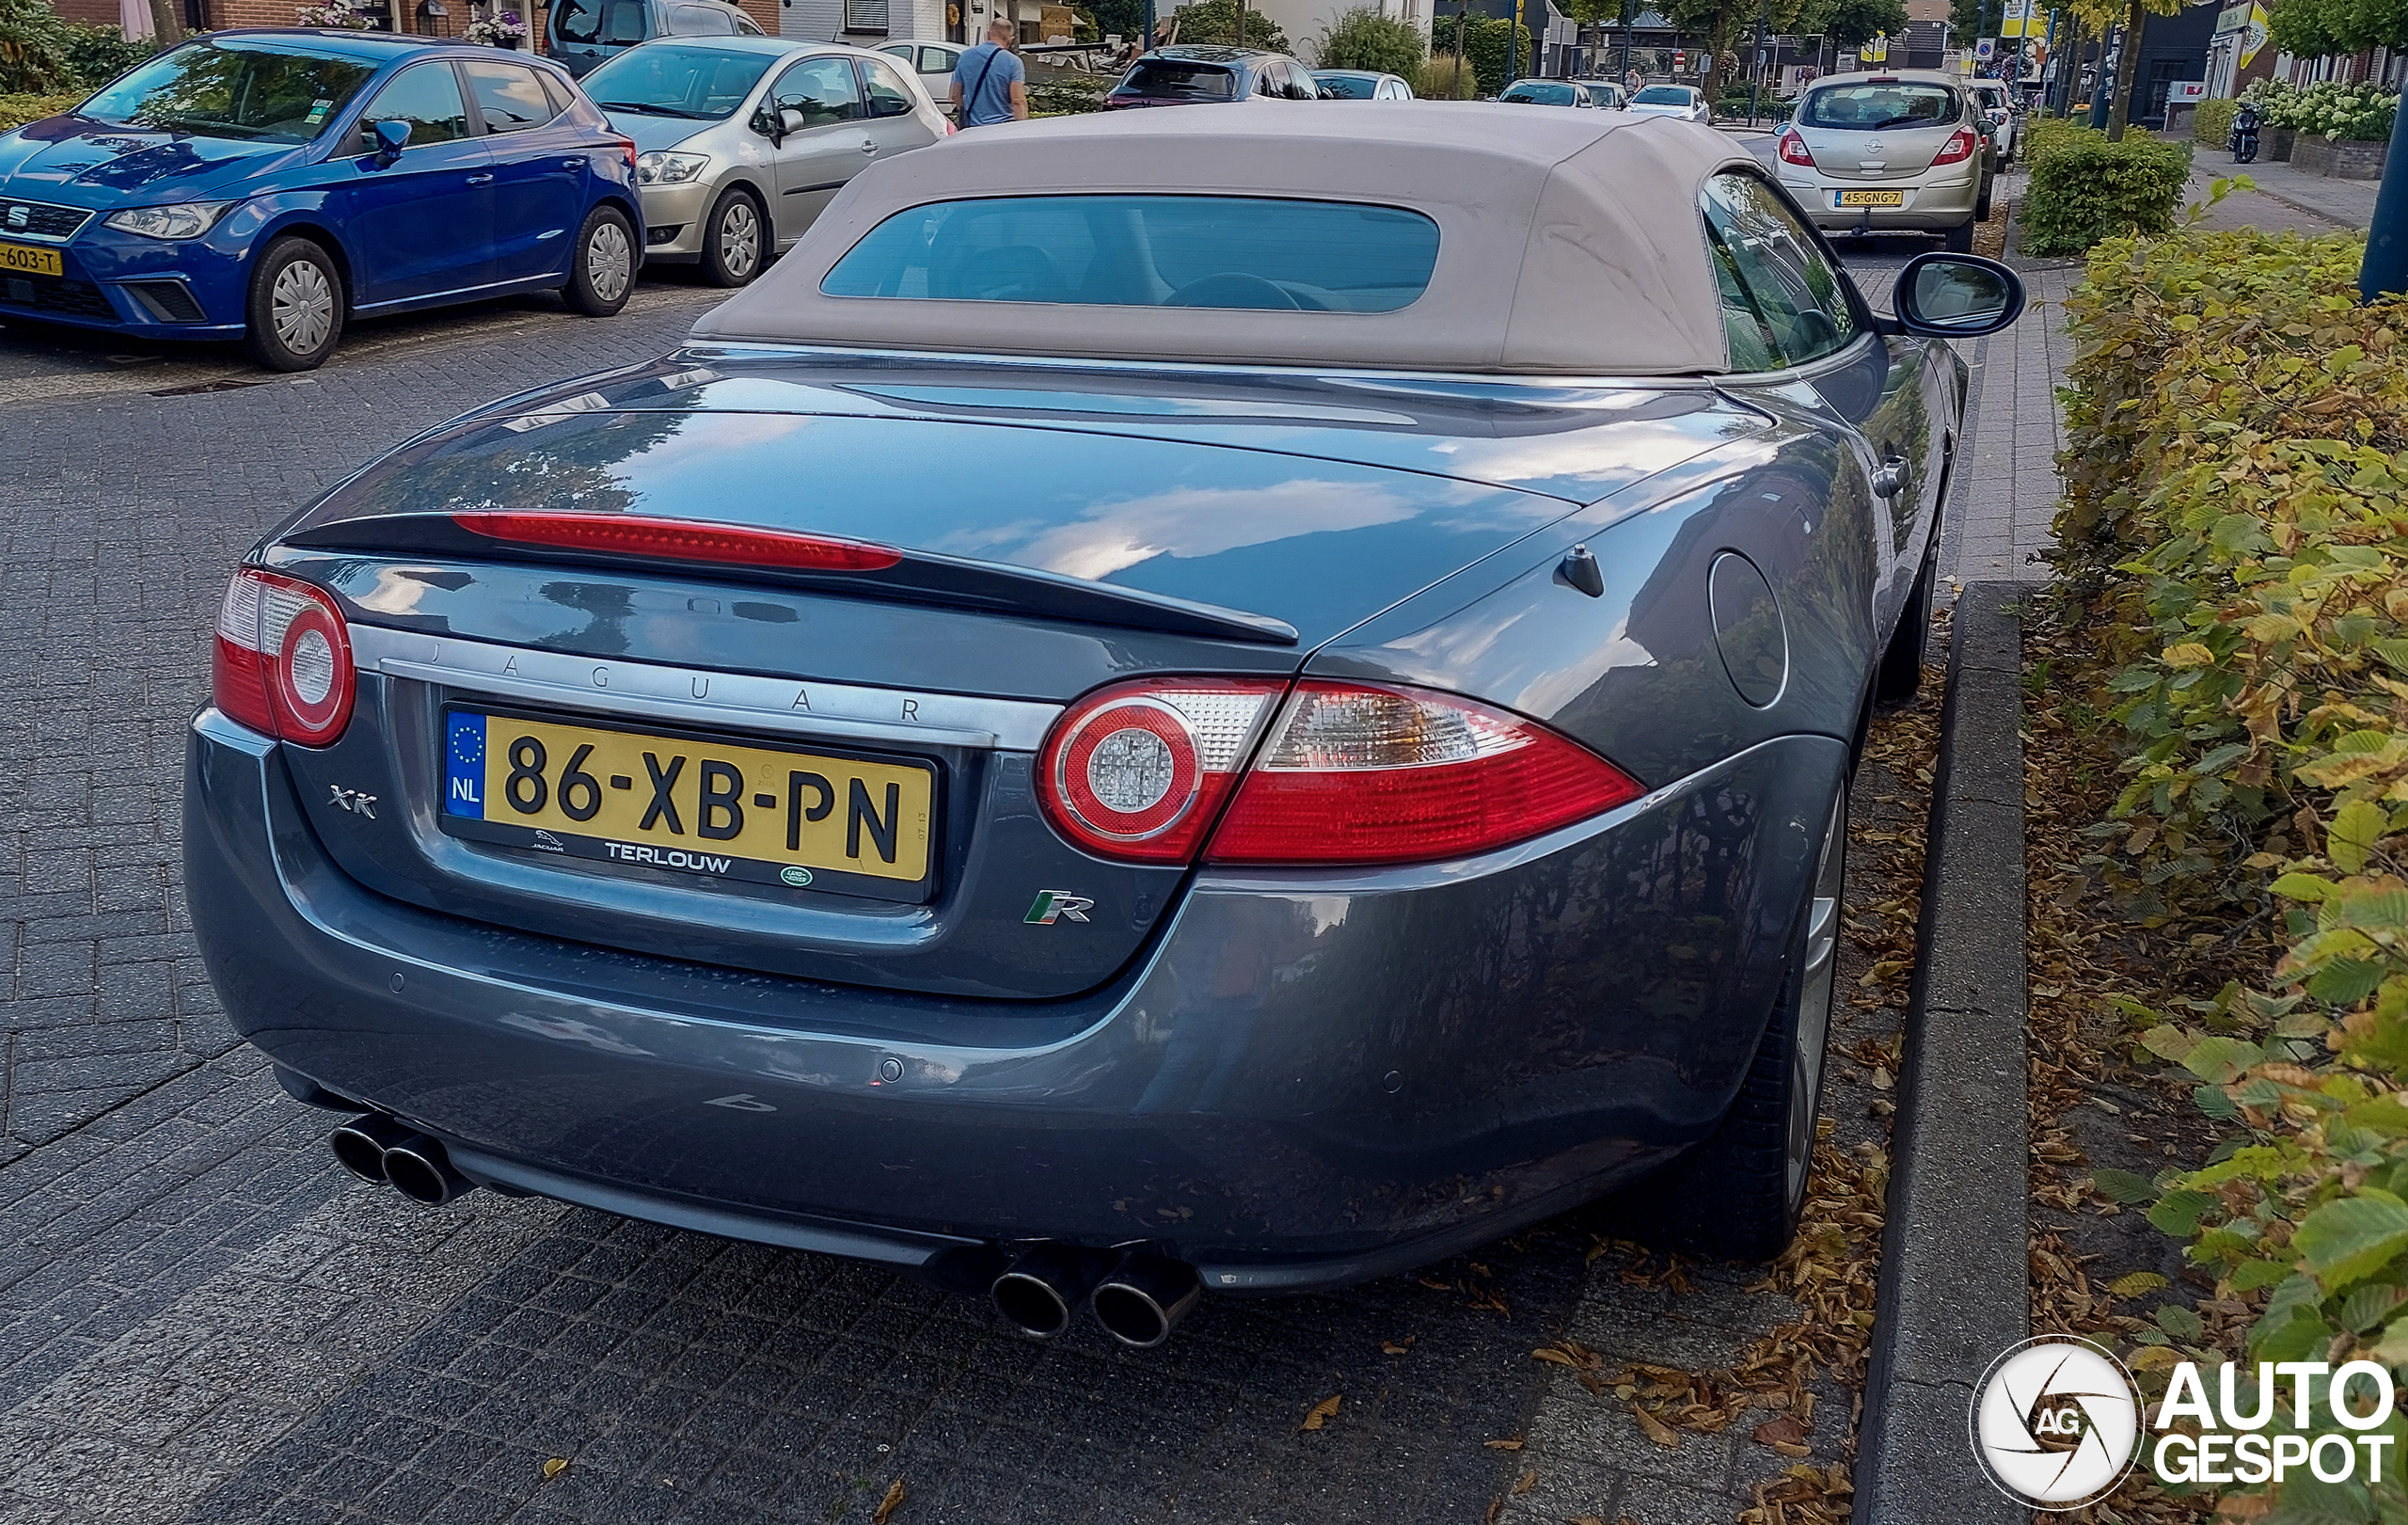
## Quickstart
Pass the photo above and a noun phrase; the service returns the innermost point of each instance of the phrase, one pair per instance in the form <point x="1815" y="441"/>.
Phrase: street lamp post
<point x="1756" y="79"/>
<point x="2384" y="270"/>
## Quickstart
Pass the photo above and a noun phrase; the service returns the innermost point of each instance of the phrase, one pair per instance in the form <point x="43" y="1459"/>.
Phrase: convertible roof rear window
<point x="1200" y="251"/>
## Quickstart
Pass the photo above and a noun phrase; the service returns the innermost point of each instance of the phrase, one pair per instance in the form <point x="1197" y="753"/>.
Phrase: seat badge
<point x="1051" y="905"/>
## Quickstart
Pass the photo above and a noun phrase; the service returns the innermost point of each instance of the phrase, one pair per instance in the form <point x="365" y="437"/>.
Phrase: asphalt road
<point x="201" y="1319"/>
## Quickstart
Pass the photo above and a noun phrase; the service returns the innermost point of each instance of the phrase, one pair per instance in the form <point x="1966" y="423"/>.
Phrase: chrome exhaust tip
<point x="419" y="1170"/>
<point x="1037" y="1294"/>
<point x="1144" y="1298"/>
<point x="360" y="1144"/>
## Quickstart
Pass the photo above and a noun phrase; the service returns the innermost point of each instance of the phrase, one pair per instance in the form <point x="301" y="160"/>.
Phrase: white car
<point x="1997" y="106"/>
<point x="931" y="62"/>
<point x="1683" y="100"/>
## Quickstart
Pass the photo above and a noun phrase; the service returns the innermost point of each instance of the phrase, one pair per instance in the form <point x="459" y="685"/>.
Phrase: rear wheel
<point x="295" y="309"/>
<point x="1959" y="239"/>
<point x="1982" y="206"/>
<point x="1739" y="1194"/>
<point x="603" y="271"/>
<point x="735" y="240"/>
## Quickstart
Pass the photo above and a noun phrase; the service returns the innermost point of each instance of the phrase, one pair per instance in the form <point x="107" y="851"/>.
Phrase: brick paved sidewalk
<point x="2328" y="204"/>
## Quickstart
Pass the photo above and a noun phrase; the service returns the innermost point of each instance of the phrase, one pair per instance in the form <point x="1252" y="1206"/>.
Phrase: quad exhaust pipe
<point x="386" y="1151"/>
<point x="1138" y="1298"/>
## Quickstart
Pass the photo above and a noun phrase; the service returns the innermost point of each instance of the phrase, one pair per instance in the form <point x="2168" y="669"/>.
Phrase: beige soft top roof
<point x="1569" y="241"/>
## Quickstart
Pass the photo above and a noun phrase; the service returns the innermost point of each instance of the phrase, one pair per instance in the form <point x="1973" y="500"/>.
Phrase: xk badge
<point x="353" y="801"/>
<point x="1052" y="905"/>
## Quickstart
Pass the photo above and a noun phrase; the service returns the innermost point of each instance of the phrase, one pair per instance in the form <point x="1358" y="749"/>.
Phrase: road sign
<point x="1985" y="49"/>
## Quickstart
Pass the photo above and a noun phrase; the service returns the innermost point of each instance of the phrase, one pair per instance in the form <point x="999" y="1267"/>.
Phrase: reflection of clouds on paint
<point x="1603" y="458"/>
<point x="398" y="591"/>
<point x="1539" y="680"/>
<point x="568" y="1031"/>
<point x="699" y="436"/>
<point x="1185" y="521"/>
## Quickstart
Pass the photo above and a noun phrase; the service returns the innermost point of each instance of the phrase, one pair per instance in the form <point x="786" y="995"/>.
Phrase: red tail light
<point x="1368" y="775"/>
<point x="1794" y="150"/>
<point x="1348" y="774"/>
<point x="627" y="151"/>
<point x="1960" y="145"/>
<point x="682" y="540"/>
<point x="282" y="663"/>
<point x="1138" y="771"/>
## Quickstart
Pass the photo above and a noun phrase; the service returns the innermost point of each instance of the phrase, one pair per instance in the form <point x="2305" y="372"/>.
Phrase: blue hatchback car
<point x="271" y="183"/>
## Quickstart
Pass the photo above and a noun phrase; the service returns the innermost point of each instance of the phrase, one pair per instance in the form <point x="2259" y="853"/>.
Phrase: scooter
<point x="2244" y="141"/>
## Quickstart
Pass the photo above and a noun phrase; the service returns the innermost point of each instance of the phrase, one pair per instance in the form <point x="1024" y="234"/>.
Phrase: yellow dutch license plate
<point x="690" y="805"/>
<point x="1873" y="198"/>
<point x="31" y="261"/>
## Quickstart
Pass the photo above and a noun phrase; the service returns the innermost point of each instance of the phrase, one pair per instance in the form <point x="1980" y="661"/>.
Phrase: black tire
<point x="736" y="239"/>
<point x="1899" y="677"/>
<point x="602" y="272"/>
<point x="1738" y="1195"/>
<point x="293" y="317"/>
<point x="1959" y="239"/>
<point x="1982" y="207"/>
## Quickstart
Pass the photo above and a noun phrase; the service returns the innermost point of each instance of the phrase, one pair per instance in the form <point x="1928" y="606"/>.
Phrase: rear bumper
<point x="1303" y="1082"/>
<point x="1931" y="206"/>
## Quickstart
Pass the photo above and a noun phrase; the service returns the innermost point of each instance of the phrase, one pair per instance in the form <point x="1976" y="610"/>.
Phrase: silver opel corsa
<point x="742" y="140"/>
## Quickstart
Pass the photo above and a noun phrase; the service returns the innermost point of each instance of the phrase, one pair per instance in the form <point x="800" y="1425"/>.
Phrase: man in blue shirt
<point x="988" y="84"/>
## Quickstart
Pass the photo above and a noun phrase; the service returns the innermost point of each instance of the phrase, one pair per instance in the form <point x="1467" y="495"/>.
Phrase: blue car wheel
<point x="603" y="272"/>
<point x="296" y="311"/>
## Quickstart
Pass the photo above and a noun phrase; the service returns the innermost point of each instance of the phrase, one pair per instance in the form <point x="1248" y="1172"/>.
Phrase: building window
<point x="865" y="16"/>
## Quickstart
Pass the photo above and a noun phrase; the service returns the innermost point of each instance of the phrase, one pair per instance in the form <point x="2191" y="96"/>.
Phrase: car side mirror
<point x="790" y="120"/>
<point x="391" y="138"/>
<point x="1956" y="296"/>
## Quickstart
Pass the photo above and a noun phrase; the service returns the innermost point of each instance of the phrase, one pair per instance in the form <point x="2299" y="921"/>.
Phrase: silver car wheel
<point x="302" y="306"/>
<point x="606" y="263"/>
<point x="739" y="238"/>
<point x="1817" y="983"/>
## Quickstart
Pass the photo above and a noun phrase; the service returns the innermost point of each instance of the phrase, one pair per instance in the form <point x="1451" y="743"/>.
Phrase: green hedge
<point x="2211" y="123"/>
<point x="2235" y="541"/>
<point x="17" y="110"/>
<point x="2085" y="189"/>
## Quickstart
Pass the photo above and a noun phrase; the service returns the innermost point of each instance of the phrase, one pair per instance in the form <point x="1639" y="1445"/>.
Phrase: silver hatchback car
<point x="741" y="140"/>
<point x="1889" y="153"/>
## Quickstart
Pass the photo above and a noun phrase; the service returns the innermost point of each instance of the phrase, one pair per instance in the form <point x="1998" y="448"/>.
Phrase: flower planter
<point x="2279" y="141"/>
<point x="2349" y="159"/>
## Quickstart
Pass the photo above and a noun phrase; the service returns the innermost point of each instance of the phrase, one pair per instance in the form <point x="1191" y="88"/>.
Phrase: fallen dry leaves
<point x="1323" y="1412"/>
<point x="887" y="1505"/>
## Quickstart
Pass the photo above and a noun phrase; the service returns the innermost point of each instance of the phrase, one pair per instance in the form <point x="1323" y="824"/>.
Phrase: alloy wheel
<point x="302" y="306"/>
<point x="739" y="239"/>
<point x="607" y="264"/>
<point x="1817" y="982"/>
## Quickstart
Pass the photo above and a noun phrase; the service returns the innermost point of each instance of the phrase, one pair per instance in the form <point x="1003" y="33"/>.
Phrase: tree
<point x="2132" y="15"/>
<point x="2298" y="27"/>
<point x="1122" y="18"/>
<point x="1853" y="22"/>
<point x="1364" y="39"/>
<point x="1486" y="43"/>
<point x="1216" y="20"/>
<point x="33" y="50"/>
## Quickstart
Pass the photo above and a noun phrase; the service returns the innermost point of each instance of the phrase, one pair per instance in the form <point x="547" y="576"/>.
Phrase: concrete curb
<point x="1955" y="1288"/>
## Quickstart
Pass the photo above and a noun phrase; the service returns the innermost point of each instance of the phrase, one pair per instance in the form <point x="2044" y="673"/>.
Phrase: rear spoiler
<point x="915" y="576"/>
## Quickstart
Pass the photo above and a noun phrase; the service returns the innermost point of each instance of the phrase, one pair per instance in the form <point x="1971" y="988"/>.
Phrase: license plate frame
<point x="25" y="259"/>
<point x="1849" y="200"/>
<point x="736" y="873"/>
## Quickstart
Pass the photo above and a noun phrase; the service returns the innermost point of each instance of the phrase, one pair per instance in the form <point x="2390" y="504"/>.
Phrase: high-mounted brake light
<point x="1960" y="145"/>
<point x="1356" y="774"/>
<point x="283" y="660"/>
<point x="1794" y="148"/>
<point x="1138" y="771"/>
<point x="682" y="540"/>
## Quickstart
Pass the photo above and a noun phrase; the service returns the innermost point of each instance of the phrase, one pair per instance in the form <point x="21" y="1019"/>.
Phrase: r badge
<point x="1051" y="905"/>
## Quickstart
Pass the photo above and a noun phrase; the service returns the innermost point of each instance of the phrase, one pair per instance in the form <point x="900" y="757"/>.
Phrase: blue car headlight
<point x="185" y="219"/>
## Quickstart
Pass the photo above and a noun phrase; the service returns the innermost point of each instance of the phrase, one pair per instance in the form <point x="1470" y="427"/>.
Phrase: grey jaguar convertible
<point x="1177" y="701"/>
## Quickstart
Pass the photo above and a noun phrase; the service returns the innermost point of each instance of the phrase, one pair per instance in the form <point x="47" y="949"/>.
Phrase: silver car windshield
<point x="1200" y="251"/>
<point x="1873" y="108"/>
<point x="664" y="79"/>
<point x="1662" y="95"/>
